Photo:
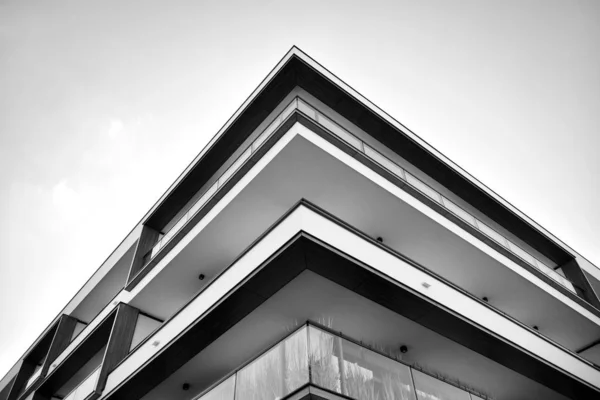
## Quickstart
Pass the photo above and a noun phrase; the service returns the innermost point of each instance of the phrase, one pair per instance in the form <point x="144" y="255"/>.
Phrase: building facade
<point x="317" y="248"/>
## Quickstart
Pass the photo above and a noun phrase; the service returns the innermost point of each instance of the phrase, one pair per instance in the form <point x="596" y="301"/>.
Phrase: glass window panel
<point x="423" y="188"/>
<point x="492" y="233"/>
<point x="324" y="363"/>
<point x="384" y="161"/>
<point x="224" y="391"/>
<point x="429" y="388"/>
<point x="339" y="131"/>
<point x="277" y="373"/>
<point x="459" y="212"/>
<point x="369" y="375"/>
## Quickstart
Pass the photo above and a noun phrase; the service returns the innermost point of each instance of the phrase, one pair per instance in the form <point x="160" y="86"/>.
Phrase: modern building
<point x="318" y="249"/>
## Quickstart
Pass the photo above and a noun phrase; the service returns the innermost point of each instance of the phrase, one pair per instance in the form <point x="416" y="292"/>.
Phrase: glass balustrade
<point x="85" y="388"/>
<point x="430" y="192"/>
<point x="33" y="377"/>
<point x="375" y="156"/>
<point x="312" y="355"/>
<point x="222" y="180"/>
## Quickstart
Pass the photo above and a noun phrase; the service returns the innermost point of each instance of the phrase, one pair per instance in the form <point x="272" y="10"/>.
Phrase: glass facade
<point x="312" y="355"/>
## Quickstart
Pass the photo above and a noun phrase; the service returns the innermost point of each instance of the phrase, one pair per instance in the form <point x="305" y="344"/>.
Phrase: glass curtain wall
<point x="312" y="355"/>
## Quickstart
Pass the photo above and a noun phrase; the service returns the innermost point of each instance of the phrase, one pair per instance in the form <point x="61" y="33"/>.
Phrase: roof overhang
<point x="298" y="69"/>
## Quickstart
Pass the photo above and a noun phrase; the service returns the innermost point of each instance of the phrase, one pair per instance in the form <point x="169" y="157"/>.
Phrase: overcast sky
<point x="103" y="103"/>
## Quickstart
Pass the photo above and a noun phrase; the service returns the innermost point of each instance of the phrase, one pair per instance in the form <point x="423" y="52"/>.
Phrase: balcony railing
<point x="431" y="193"/>
<point x="33" y="377"/>
<point x="341" y="133"/>
<point x="85" y="388"/>
<point x="314" y="356"/>
<point x="222" y="179"/>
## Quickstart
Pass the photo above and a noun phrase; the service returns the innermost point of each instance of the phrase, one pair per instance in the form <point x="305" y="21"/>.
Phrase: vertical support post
<point x="25" y="371"/>
<point x="583" y="287"/>
<point x="148" y="237"/>
<point x="60" y="341"/>
<point x="119" y="343"/>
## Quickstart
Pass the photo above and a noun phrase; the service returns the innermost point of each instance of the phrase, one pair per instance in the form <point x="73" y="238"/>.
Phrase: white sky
<point x="102" y="105"/>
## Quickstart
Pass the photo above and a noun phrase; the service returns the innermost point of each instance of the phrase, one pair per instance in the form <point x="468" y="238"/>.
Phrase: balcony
<point x="316" y="356"/>
<point x="375" y="156"/>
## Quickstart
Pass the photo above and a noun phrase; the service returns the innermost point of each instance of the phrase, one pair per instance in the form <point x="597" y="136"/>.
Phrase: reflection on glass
<point x="347" y="368"/>
<point x="277" y="373"/>
<point x="324" y="364"/>
<point x="429" y="388"/>
<point x="336" y="364"/>
<point x="368" y="375"/>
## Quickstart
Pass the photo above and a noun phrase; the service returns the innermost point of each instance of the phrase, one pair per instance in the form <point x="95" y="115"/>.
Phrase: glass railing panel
<point x="33" y="377"/>
<point x="177" y="227"/>
<point x="313" y="355"/>
<point x="277" y="373"/>
<point x="85" y="388"/>
<point x="203" y="199"/>
<point x="430" y="388"/>
<point x="423" y="188"/>
<point x="369" y="375"/>
<point x="224" y="391"/>
<point x="522" y="254"/>
<point x="339" y="131"/>
<point x="306" y="109"/>
<point x="555" y="275"/>
<point x="459" y="212"/>
<point x="235" y="166"/>
<point x="492" y="234"/>
<point x="384" y="161"/>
